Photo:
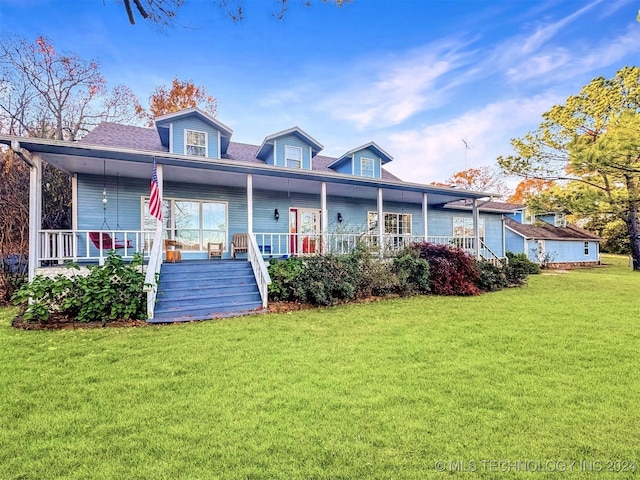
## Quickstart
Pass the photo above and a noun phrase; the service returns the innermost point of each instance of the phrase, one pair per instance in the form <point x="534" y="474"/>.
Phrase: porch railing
<point x="260" y="271"/>
<point x="60" y="246"/>
<point x="295" y="244"/>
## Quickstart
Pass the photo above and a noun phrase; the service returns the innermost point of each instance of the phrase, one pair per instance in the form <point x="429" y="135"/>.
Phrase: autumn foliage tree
<point x="183" y="94"/>
<point x="481" y="179"/>
<point x="528" y="188"/>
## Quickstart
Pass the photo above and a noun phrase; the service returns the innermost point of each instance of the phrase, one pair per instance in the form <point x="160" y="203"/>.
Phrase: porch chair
<point x="215" y="249"/>
<point x="107" y="242"/>
<point x="240" y="244"/>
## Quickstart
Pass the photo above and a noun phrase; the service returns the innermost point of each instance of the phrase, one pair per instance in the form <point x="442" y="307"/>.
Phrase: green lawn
<point x="546" y="373"/>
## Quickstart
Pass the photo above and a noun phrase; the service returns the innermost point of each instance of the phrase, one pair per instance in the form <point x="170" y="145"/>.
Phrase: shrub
<point x="451" y="270"/>
<point x="284" y="278"/>
<point x="491" y="277"/>
<point x="412" y="271"/>
<point x="519" y="267"/>
<point x="110" y="292"/>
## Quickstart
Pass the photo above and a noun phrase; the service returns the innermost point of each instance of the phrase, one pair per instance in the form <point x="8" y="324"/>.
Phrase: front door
<point x="304" y="226"/>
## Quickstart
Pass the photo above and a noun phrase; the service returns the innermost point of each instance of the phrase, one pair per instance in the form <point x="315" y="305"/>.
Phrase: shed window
<point x="586" y="248"/>
<point x="195" y="143"/>
<point x="292" y="156"/>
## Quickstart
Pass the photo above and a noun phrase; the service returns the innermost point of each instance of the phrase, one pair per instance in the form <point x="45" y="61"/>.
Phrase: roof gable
<point x="267" y="145"/>
<point x="162" y="125"/>
<point x="384" y="156"/>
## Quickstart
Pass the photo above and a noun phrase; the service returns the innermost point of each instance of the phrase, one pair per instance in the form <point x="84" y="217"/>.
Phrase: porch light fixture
<point x="276" y="214"/>
<point x="339" y="217"/>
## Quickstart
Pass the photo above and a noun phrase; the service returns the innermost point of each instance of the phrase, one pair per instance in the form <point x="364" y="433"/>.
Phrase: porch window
<point x="366" y="167"/>
<point x="586" y="248"/>
<point x="191" y="223"/>
<point x="195" y="143"/>
<point x="292" y="156"/>
<point x="463" y="232"/>
<point x="394" y="223"/>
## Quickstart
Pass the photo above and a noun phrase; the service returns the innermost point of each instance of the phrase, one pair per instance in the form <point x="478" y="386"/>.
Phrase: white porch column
<point x="380" y="223"/>
<point x="249" y="203"/>
<point x="425" y="216"/>
<point x="35" y="213"/>
<point x="160" y="175"/>
<point x="476" y="229"/>
<point x="324" y="218"/>
<point x="74" y="214"/>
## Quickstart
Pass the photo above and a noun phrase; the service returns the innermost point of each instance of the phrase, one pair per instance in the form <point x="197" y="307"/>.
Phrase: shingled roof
<point x="146" y="139"/>
<point x="549" y="232"/>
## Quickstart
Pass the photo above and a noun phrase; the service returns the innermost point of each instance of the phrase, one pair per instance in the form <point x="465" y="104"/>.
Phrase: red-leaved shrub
<point x="451" y="270"/>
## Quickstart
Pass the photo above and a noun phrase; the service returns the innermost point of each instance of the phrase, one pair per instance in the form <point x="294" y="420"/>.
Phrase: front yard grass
<point x="544" y="373"/>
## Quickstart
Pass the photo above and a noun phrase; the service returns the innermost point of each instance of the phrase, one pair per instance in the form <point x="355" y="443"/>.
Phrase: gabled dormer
<point x="193" y="132"/>
<point x="292" y="148"/>
<point x="363" y="161"/>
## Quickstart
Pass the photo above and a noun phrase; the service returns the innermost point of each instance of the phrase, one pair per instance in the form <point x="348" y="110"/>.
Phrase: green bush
<point x="110" y="292"/>
<point x="492" y="277"/>
<point x="412" y="271"/>
<point x="519" y="268"/>
<point x="284" y="278"/>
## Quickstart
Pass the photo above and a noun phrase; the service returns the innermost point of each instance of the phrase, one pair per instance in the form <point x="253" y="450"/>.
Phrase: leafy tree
<point x="482" y="179"/>
<point x="49" y="94"/>
<point x="183" y="94"/>
<point x="591" y="145"/>
<point x="164" y="12"/>
<point x="527" y="188"/>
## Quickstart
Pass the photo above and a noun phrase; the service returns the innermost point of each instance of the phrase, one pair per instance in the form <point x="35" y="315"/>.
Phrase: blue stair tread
<point x="189" y="315"/>
<point x="188" y="291"/>
<point x="163" y="304"/>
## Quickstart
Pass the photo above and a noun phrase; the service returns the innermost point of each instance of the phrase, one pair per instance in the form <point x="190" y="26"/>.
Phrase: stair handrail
<point x="484" y="247"/>
<point x="153" y="268"/>
<point x="259" y="268"/>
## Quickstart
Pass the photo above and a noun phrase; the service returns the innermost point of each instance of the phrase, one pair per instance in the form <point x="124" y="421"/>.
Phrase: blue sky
<point x="415" y="76"/>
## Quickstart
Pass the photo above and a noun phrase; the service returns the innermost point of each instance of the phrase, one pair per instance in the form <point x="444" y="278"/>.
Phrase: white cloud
<point x="435" y="152"/>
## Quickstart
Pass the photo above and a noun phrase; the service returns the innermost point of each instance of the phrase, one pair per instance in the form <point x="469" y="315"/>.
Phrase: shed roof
<point x="549" y="232"/>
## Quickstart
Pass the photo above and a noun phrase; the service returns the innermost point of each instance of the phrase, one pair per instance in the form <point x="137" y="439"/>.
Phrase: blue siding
<point x="292" y="141"/>
<point x="179" y="127"/>
<point x="345" y="166"/>
<point x="517" y="216"/>
<point x="515" y="243"/>
<point x="550" y="219"/>
<point x="571" y="251"/>
<point x="366" y="153"/>
<point x="441" y="225"/>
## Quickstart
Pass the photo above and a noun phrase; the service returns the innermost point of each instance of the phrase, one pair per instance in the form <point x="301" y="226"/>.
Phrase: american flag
<point x="155" y="204"/>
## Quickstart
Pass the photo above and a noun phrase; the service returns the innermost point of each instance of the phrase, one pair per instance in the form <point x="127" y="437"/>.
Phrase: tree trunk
<point x="633" y="224"/>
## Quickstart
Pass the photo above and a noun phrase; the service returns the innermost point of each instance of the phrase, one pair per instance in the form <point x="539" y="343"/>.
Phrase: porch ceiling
<point x="74" y="158"/>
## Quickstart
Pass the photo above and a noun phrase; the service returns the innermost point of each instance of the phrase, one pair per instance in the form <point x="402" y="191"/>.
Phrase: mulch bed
<point x="64" y="323"/>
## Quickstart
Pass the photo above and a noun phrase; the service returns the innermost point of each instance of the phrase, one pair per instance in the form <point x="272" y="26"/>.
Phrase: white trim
<point x="249" y="204"/>
<point x="74" y="201"/>
<point x="275" y="153"/>
<point x="380" y="222"/>
<point x="219" y="144"/>
<point x="35" y="212"/>
<point x="206" y="142"/>
<point x="171" y="138"/>
<point x="425" y="216"/>
<point x="286" y="156"/>
<point x="373" y="165"/>
<point x="310" y="158"/>
<point x="324" y="216"/>
<point x="353" y="164"/>
<point x="172" y="228"/>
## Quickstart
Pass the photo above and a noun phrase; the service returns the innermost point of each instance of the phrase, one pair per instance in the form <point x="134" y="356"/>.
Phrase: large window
<point x="191" y="223"/>
<point x="292" y="156"/>
<point x="366" y="167"/>
<point x="394" y="223"/>
<point x="463" y="232"/>
<point x="195" y="143"/>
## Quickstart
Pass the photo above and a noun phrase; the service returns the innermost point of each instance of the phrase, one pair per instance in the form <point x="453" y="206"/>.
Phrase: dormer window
<point x="293" y="156"/>
<point x="195" y="143"/>
<point x="366" y="167"/>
